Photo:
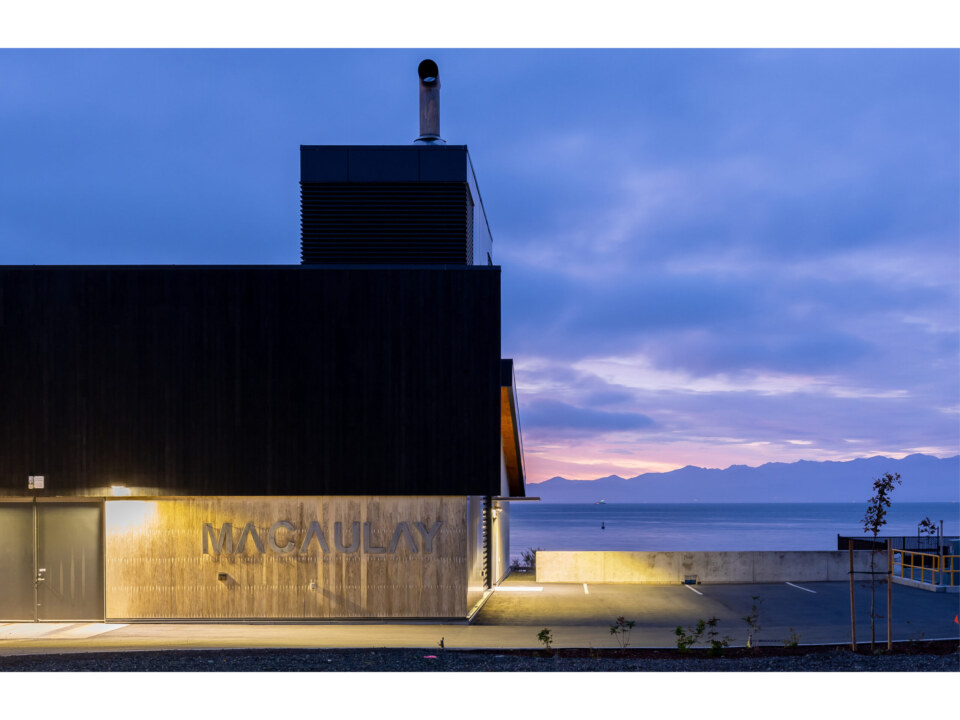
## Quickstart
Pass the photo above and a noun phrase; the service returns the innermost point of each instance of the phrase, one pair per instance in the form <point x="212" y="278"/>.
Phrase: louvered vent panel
<point x="418" y="223"/>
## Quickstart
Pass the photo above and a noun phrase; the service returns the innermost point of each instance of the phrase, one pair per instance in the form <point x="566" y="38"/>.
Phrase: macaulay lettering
<point x="314" y="532"/>
<point x="428" y="535"/>
<point x="289" y="547"/>
<point x="338" y="538"/>
<point x="249" y="531"/>
<point x="282" y="538"/>
<point x="368" y="546"/>
<point x="222" y="542"/>
<point x="402" y="531"/>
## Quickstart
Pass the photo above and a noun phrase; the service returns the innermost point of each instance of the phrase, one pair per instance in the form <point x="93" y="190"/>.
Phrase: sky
<point x="708" y="257"/>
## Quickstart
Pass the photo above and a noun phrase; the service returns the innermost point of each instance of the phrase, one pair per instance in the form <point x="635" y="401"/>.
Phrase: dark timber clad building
<point x="337" y="439"/>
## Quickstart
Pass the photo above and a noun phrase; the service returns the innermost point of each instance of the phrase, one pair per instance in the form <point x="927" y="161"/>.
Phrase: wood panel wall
<point x="156" y="567"/>
<point x="476" y="585"/>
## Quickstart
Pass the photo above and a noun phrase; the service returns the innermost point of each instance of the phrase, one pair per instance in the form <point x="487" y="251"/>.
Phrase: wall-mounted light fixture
<point x="222" y="576"/>
<point x="120" y="490"/>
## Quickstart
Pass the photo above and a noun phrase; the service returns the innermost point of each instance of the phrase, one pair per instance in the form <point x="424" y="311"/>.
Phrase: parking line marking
<point x="802" y="588"/>
<point x="690" y="587"/>
<point x="586" y="591"/>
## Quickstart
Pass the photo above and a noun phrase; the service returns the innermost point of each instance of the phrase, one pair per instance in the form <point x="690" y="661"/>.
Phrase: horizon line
<point x="738" y="465"/>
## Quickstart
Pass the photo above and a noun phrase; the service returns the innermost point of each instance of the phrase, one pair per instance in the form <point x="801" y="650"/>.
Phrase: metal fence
<point x="929" y="559"/>
<point x="913" y="543"/>
<point x="927" y="568"/>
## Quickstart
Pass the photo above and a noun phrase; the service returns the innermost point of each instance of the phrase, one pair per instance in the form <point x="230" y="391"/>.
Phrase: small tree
<point x="927" y="528"/>
<point x="527" y="561"/>
<point x="717" y="641"/>
<point x="686" y="639"/>
<point x="753" y="620"/>
<point x="873" y="521"/>
<point x="689" y="637"/>
<point x="621" y="630"/>
<point x="546" y="637"/>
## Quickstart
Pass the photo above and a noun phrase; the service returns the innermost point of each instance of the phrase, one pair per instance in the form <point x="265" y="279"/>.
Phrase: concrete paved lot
<point x="818" y="612"/>
<point x="512" y="617"/>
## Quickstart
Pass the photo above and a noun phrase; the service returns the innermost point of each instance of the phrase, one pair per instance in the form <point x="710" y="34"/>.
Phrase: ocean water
<point x="709" y="526"/>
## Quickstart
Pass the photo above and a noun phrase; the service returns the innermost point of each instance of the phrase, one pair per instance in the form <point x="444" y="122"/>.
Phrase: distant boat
<point x="600" y="502"/>
<point x="603" y="526"/>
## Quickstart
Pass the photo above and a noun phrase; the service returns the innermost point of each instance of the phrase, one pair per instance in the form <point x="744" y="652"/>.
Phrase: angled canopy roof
<point x="510" y="431"/>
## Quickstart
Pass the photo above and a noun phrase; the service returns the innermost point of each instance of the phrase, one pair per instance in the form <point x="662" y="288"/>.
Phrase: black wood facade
<point x="287" y="380"/>
<point x="387" y="222"/>
<point x="390" y="204"/>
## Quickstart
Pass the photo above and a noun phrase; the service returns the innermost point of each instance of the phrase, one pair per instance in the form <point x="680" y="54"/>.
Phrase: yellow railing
<point x="926" y="567"/>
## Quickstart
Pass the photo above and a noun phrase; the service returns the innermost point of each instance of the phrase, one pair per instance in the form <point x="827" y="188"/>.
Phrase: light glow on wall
<point x="129" y="515"/>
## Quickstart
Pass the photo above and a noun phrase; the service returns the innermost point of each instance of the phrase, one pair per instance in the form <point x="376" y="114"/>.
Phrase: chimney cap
<point x="429" y="72"/>
<point x="429" y="103"/>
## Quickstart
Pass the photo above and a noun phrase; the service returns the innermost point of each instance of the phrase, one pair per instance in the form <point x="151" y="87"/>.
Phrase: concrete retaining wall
<point x="711" y="567"/>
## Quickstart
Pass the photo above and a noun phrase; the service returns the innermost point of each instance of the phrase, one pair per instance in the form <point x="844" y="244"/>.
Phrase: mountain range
<point x="925" y="478"/>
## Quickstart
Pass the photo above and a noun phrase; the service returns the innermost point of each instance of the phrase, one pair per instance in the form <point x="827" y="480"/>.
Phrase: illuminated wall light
<point x="120" y="490"/>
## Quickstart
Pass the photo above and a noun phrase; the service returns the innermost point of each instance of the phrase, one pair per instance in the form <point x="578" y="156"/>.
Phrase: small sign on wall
<point x="35" y="482"/>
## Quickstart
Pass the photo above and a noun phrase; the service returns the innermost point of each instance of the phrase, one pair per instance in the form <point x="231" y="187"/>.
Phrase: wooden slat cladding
<point x="512" y="457"/>
<point x="476" y="582"/>
<point x="510" y="430"/>
<point x="292" y="380"/>
<point x="414" y="223"/>
<point x="156" y="567"/>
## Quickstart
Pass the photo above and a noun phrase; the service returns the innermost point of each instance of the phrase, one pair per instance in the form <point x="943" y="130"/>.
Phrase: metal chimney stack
<point x="429" y="103"/>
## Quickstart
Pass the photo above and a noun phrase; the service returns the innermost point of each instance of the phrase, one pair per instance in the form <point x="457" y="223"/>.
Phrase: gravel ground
<point x="932" y="657"/>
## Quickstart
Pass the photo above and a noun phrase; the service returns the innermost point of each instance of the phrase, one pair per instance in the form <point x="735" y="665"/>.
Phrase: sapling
<point x="717" y="641"/>
<point x="753" y="619"/>
<point x="927" y="527"/>
<point x="873" y="521"/>
<point x="546" y="638"/>
<point x="621" y="630"/>
<point x="686" y="639"/>
<point x="528" y="562"/>
<point x="690" y="637"/>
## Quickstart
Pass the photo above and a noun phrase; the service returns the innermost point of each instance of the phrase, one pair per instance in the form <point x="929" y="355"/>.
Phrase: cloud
<point x="544" y="413"/>
<point x="723" y="253"/>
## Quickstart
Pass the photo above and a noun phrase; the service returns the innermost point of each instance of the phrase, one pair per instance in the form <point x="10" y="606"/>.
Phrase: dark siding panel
<point x="382" y="163"/>
<point x="240" y="381"/>
<point x="377" y="223"/>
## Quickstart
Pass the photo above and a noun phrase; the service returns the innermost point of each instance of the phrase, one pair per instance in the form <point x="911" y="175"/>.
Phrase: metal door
<point x="51" y="561"/>
<point x="17" y="563"/>
<point x="69" y="561"/>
